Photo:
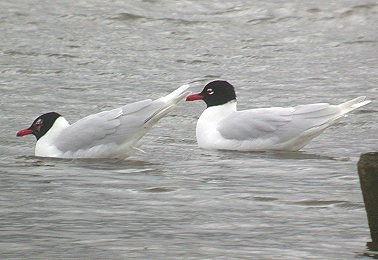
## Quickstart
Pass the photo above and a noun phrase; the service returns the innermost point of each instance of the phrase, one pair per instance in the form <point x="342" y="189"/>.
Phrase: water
<point x="176" y="200"/>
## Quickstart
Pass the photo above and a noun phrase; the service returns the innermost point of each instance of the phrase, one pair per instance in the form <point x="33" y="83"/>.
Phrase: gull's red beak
<point x="23" y="132"/>
<point x="193" y="97"/>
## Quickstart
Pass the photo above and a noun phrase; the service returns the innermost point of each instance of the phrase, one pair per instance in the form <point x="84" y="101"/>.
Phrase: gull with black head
<point x="108" y="134"/>
<point x="222" y="126"/>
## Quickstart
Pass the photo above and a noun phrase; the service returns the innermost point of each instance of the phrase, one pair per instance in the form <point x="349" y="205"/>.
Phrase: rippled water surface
<point x="175" y="200"/>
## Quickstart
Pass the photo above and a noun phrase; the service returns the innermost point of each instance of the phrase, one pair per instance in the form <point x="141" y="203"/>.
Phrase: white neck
<point x="217" y="113"/>
<point x="45" y="145"/>
<point x="207" y="124"/>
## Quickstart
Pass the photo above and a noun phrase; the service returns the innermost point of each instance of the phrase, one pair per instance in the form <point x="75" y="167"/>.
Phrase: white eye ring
<point x="39" y="122"/>
<point x="210" y="91"/>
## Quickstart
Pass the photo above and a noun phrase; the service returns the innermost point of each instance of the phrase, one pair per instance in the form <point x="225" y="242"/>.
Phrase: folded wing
<point x="279" y="127"/>
<point x="118" y="126"/>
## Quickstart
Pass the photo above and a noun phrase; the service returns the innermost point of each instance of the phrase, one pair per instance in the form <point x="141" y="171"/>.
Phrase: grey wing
<point x="277" y="122"/>
<point x="112" y="126"/>
<point x="117" y="126"/>
<point x="254" y="123"/>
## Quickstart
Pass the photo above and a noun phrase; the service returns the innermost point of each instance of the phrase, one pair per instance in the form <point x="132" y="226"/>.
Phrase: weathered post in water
<point x="368" y="173"/>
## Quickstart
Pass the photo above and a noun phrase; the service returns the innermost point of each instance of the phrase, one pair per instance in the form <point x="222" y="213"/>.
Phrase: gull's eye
<point x="210" y="91"/>
<point x="38" y="124"/>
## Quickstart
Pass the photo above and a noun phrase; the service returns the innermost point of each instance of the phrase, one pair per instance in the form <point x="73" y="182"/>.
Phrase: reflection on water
<point x="373" y="246"/>
<point x="284" y="155"/>
<point x="372" y="250"/>
<point x="98" y="163"/>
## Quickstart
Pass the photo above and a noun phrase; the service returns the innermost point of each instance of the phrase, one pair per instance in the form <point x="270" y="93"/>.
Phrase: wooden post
<point x="368" y="173"/>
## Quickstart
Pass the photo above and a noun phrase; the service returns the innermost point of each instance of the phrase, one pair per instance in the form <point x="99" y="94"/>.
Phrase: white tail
<point x="176" y="95"/>
<point x="353" y="104"/>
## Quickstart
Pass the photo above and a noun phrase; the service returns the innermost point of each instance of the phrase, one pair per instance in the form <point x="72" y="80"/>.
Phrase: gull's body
<point x="108" y="134"/>
<point x="222" y="126"/>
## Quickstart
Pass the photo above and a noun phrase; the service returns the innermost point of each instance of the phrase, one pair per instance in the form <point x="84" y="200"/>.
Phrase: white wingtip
<point x="168" y="103"/>
<point x="177" y="94"/>
<point x="353" y="104"/>
<point x="363" y="103"/>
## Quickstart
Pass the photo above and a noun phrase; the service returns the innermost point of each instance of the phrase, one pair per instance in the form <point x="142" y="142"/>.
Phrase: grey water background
<point x="175" y="200"/>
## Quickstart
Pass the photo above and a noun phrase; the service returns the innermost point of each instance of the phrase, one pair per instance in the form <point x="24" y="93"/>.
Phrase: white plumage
<point x="108" y="134"/>
<point x="221" y="126"/>
<point x="275" y="128"/>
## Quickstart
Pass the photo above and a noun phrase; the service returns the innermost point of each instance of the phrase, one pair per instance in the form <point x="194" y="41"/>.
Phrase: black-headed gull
<point x="108" y="134"/>
<point x="221" y="126"/>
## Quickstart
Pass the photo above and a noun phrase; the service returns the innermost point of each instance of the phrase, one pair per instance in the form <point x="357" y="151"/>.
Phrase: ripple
<point x="314" y="10"/>
<point x="62" y="56"/>
<point x="159" y="189"/>
<point x="318" y="203"/>
<point x="183" y="21"/>
<point x="127" y="17"/>
<point x="366" y="111"/>
<point x="260" y="20"/>
<point x="351" y="205"/>
<point x="21" y="53"/>
<point x="259" y="198"/>
<point x="358" y="8"/>
<point x="34" y="54"/>
<point x="191" y="61"/>
<point x="359" y="42"/>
